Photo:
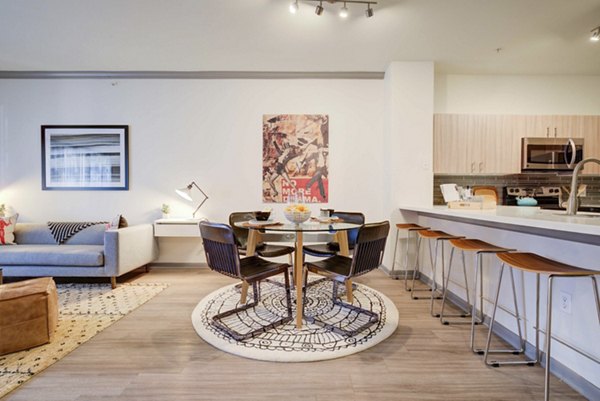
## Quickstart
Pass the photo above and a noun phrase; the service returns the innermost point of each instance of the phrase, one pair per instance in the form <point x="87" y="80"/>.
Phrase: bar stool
<point x="479" y="247"/>
<point x="409" y="228"/>
<point x="439" y="237"/>
<point x="532" y="263"/>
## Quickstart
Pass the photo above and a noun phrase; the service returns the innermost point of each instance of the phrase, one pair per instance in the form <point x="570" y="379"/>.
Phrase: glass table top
<point x="308" y="226"/>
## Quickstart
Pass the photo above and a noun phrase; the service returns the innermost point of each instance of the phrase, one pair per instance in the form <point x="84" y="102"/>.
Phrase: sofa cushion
<point x="39" y="233"/>
<point x="52" y="255"/>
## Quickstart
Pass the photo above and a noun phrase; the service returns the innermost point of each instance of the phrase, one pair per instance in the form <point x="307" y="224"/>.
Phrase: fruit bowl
<point x="297" y="213"/>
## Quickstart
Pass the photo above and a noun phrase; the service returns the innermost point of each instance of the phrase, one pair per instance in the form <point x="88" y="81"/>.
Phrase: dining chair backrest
<point x="370" y="244"/>
<point x="220" y="248"/>
<point x="351" y="217"/>
<point x="241" y="234"/>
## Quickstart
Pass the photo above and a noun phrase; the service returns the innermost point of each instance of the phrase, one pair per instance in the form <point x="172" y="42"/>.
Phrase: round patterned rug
<point x="285" y="343"/>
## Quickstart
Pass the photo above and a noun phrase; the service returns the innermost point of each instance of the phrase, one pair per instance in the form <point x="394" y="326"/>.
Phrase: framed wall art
<point x="85" y="157"/>
<point x="295" y="158"/>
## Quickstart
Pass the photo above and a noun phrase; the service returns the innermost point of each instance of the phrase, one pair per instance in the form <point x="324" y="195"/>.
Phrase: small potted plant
<point x="2" y="209"/>
<point x="166" y="210"/>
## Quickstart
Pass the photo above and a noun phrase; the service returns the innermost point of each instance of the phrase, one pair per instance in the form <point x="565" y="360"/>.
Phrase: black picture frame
<point x="85" y="157"/>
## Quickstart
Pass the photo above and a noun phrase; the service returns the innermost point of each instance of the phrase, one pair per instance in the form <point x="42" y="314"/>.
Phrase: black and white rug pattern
<point x="286" y="343"/>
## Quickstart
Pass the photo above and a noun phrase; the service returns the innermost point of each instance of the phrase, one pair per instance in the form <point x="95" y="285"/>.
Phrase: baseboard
<point x="562" y="372"/>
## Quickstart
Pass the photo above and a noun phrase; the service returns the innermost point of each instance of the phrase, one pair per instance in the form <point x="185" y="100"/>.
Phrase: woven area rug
<point x="286" y="343"/>
<point x="84" y="311"/>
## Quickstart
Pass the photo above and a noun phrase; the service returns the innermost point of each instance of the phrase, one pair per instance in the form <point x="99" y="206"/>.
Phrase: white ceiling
<point x="461" y="36"/>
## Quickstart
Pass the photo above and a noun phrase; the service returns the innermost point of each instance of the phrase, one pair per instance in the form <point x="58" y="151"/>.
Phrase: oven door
<point x="551" y="153"/>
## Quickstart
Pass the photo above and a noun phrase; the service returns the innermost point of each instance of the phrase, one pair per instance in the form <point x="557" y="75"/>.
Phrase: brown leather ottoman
<point x="28" y="314"/>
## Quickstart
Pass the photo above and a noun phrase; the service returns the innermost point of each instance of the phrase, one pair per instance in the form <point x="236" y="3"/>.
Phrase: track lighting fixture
<point x="344" y="12"/>
<point x="595" y="34"/>
<point x="319" y="9"/>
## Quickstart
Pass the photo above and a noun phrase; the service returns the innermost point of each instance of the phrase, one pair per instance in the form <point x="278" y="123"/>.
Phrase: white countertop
<point x="526" y="216"/>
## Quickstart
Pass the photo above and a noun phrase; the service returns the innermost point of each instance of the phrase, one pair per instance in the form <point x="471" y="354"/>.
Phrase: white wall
<point x="209" y="131"/>
<point x="517" y="94"/>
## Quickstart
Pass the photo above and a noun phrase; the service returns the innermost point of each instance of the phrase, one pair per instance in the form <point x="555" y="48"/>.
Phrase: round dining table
<point x="338" y="228"/>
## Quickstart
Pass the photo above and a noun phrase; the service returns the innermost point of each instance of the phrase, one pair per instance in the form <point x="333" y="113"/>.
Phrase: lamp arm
<point x="201" y="203"/>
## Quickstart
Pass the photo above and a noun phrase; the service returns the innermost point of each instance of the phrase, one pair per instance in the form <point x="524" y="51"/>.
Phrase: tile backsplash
<point x="518" y="180"/>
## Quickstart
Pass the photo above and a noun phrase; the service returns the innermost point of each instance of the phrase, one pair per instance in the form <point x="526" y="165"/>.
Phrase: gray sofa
<point x="93" y="252"/>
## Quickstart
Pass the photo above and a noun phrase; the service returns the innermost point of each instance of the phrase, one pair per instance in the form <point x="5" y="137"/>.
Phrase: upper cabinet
<point x="491" y="144"/>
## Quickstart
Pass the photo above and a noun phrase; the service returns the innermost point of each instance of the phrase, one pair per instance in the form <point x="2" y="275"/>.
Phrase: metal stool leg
<point x="465" y="313"/>
<point x="406" y="258"/>
<point x="434" y="288"/>
<point x="493" y="319"/>
<point x="417" y="270"/>
<point x="478" y="275"/>
<point x="394" y="260"/>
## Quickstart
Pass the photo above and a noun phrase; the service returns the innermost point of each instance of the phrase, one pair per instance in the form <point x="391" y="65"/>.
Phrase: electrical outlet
<point x="565" y="302"/>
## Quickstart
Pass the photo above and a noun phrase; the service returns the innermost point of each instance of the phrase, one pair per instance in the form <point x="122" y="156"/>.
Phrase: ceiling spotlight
<point x="344" y="11"/>
<point x="294" y="7"/>
<point x="595" y="34"/>
<point x="319" y="9"/>
<point x="369" y="11"/>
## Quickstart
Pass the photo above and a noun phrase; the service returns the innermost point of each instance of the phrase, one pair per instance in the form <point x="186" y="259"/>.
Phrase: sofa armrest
<point x="128" y="248"/>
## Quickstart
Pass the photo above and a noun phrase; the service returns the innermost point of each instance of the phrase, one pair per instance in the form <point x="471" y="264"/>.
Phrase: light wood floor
<point x="155" y="354"/>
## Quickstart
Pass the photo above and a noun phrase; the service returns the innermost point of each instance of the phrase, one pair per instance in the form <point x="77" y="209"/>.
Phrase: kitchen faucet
<point x="572" y="202"/>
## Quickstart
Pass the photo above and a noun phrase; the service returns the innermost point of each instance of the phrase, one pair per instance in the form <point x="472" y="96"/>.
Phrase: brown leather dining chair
<point x="222" y="256"/>
<point x="262" y="249"/>
<point x="368" y="254"/>
<point x="331" y="248"/>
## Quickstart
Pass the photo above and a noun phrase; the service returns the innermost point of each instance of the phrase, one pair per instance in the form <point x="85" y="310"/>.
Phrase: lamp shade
<point x="185" y="193"/>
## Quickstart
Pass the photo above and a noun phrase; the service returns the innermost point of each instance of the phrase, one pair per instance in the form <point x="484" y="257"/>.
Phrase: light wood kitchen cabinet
<point x="491" y="144"/>
<point x="475" y="144"/>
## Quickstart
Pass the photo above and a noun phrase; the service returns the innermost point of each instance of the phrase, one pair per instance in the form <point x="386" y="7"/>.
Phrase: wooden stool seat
<point x="538" y="264"/>
<point x="435" y="234"/>
<point x="475" y="245"/>
<point x="410" y="227"/>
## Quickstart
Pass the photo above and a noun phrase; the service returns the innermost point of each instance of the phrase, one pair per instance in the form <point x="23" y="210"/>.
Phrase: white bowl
<point x="297" y="217"/>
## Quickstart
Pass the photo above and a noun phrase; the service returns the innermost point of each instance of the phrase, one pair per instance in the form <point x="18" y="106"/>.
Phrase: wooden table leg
<point x="253" y="237"/>
<point x="342" y="239"/>
<point x="298" y="273"/>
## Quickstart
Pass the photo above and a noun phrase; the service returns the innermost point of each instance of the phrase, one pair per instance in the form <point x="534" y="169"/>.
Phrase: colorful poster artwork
<point x="295" y="158"/>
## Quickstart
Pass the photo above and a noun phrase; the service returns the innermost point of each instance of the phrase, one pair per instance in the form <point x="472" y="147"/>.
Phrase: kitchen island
<point x="570" y="239"/>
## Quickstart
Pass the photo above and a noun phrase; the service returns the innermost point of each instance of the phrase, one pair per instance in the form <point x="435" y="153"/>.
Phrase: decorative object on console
<point x="186" y="193"/>
<point x="85" y="157"/>
<point x="7" y="228"/>
<point x="166" y="210"/>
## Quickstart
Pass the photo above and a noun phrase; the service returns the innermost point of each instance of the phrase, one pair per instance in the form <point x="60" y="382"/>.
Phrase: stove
<point x="544" y="195"/>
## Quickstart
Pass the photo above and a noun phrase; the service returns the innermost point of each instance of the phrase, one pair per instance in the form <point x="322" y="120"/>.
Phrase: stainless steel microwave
<point x="554" y="154"/>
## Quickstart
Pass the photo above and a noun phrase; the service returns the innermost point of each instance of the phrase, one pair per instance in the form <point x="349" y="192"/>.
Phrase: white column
<point x="408" y="133"/>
